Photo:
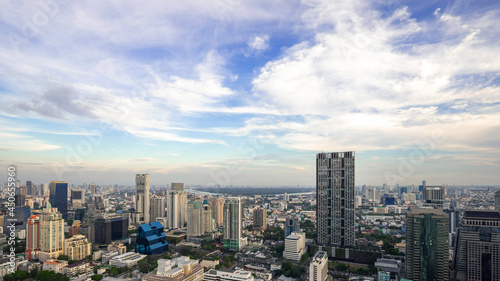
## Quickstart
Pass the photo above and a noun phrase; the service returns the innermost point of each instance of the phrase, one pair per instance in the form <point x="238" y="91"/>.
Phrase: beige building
<point x="54" y="265"/>
<point x="117" y="247"/>
<point x="141" y="215"/>
<point x="78" y="268"/>
<point x="157" y="204"/>
<point x="195" y="218"/>
<point x="51" y="234"/>
<point x="218" y="211"/>
<point x="176" y="209"/>
<point x="295" y="246"/>
<point x="77" y="248"/>
<point x="260" y="218"/>
<point x="179" y="269"/>
<point x="318" y="268"/>
<point x="207" y="217"/>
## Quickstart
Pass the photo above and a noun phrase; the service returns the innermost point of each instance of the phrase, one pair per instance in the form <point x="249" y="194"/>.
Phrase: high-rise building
<point x="45" y="189"/>
<point x="29" y="188"/>
<point x="77" y="248"/>
<point x="207" y="217"/>
<point x="51" y="233"/>
<point x="477" y="247"/>
<point x="427" y="245"/>
<point x="59" y="196"/>
<point x="176" y="209"/>
<point x="77" y="197"/>
<point x="318" y="268"/>
<point x="233" y="224"/>
<point x="141" y="215"/>
<point x="295" y="246"/>
<point x="497" y="200"/>
<point x="335" y="199"/>
<point x="195" y="218"/>
<point x="32" y="238"/>
<point x="434" y="196"/>
<point x="218" y="211"/>
<point x="92" y="188"/>
<point x="110" y="227"/>
<point x="260" y="218"/>
<point x="157" y="203"/>
<point x="177" y="186"/>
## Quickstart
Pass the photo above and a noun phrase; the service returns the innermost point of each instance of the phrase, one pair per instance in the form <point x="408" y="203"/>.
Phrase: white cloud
<point x="257" y="45"/>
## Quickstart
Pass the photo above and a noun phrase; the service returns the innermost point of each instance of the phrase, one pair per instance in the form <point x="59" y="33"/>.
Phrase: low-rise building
<point x="81" y="267"/>
<point x="218" y="275"/>
<point x="210" y="264"/>
<point x="107" y="256"/>
<point x="77" y="247"/>
<point x="54" y="265"/>
<point x="179" y="269"/>
<point x="117" y="247"/>
<point x="126" y="260"/>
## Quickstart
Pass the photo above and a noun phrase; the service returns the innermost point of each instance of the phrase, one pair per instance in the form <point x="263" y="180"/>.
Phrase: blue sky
<point x="236" y="92"/>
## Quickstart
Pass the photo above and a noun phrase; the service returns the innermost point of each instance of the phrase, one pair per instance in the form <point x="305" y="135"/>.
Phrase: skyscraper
<point x="176" y="209"/>
<point x="141" y="215"/>
<point x="29" y="188"/>
<point x="32" y="238"/>
<point x="335" y="190"/>
<point x="157" y="203"/>
<point x="195" y="218"/>
<point x="51" y="233"/>
<point x="497" y="200"/>
<point x="434" y="196"/>
<point x="59" y="196"/>
<point x="77" y="197"/>
<point x="218" y="211"/>
<point x="110" y="227"/>
<point x="260" y="218"/>
<point x="232" y="224"/>
<point x="477" y="247"/>
<point x="427" y="245"/>
<point x="207" y="217"/>
<point x="92" y="188"/>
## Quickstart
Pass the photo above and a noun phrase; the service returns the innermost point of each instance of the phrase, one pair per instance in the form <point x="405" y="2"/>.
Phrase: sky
<point x="235" y="92"/>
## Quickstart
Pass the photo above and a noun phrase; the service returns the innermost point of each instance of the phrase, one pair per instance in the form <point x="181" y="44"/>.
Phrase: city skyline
<point x="192" y="91"/>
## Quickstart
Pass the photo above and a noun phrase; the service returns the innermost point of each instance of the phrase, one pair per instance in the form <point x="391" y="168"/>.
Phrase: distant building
<point x="207" y="219"/>
<point x="219" y="275"/>
<point x="177" y="186"/>
<point x="335" y="199"/>
<point x="157" y="203"/>
<point x="32" y="238"/>
<point x="195" y="218"/>
<point x="59" y="197"/>
<point x="434" y="196"/>
<point x="318" y="268"/>
<point x="260" y="218"/>
<point x="497" y="200"/>
<point x="126" y="260"/>
<point x="233" y="224"/>
<point x="141" y="214"/>
<point x="150" y="239"/>
<point x="92" y="188"/>
<point x="427" y="246"/>
<point x="178" y="269"/>
<point x="77" y="247"/>
<point x="176" y="209"/>
<point x="218" y="211"/>
<point x="477" y="247"/>
<point x="295" y="246"/>
<point x="110" y="227"/>
<point x="77" y="197"/>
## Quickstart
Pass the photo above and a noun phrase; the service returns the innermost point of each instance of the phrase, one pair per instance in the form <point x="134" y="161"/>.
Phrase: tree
<point x="114" y="271"/>
<point x="96" y="277"/>
<point x="63" y="258"/>
<point x="18" y="275"/>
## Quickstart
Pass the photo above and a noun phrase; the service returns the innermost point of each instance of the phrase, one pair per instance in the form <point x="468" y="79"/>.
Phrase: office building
<point x="219" y="275"/>
<point x="29" y="188"/>
<point x="151" y="240"/>
<point x="110" y="227"/>
<point x="497" y="200"/>
<point x="195" y="218"/>
<point x="59" y="197"/>
<point x="477" y="247"/>
<point x="77" y="198"/>
<point x="177" y="186"/>
<point x="291" y="225"/>
<point x="434" y="196"/>
<point x="141" y="215"/>
<point x="129" y="259"/>
<point x="318" y="268"/>
<point x="390" y="267"/>
<point x="207" y="217"/>
<point x="176" y="209"/>
<point x="178" y="269"/>
<point x="51" y="233"/>
<point x="92" y="188"/>
<point x="335" y="199"/>
<point x="77" y="248"/>
<point x="295" y="246"/>
<point x="260" y="218"/>
<point x="233" y="224"/>
<point x="218" y="211"/>
<point x="427" y="245"/>
<point x="157" y="203"/>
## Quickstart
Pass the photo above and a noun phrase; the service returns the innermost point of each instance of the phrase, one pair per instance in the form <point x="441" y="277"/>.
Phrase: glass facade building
<point x="151" y="240"/>
<point x="59" y="197"/>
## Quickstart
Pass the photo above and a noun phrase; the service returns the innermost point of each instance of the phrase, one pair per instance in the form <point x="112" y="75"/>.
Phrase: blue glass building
<point x="151" y="240"/>
<point x="59" y="197"/>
